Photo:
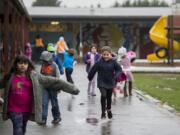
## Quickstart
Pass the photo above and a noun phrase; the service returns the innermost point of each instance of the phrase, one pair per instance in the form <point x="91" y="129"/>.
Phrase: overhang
<point x="96" y="13"/>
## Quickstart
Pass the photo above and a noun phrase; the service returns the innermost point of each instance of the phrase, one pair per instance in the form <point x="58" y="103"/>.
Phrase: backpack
<point x="48" y="69"/>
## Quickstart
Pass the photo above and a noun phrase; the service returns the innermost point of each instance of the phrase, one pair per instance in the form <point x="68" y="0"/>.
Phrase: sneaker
<point x="43" y="122"/>
<point x="103" y="115"/>
<point x="109" y="114"/>
<point x="56" y="121"/>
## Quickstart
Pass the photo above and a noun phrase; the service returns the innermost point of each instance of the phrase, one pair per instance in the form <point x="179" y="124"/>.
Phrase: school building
<point x="14" y="31"/>
<point x="79" y="26"/>
<point x="104" y="26"/>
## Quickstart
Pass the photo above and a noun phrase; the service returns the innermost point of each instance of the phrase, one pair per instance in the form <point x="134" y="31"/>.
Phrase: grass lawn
<point x="165" y="87"/>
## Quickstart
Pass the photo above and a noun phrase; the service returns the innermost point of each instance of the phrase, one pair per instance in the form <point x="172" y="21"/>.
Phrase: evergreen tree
<point x="142" y="3"/>
<point x="116" y="4"/>
<point x="52" y="3"/>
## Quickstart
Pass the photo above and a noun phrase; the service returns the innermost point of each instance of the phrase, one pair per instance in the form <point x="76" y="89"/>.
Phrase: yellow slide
<point x="158" y="34"/>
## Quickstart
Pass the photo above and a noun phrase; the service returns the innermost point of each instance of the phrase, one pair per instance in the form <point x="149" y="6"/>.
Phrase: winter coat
<point x="39" y="83"/>
<point x="68" y="60"/>
<point x="108" y="72"/>
<point x="49" y="68"/>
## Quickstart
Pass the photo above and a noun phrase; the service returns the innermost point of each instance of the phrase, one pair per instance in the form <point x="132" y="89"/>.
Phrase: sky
<point x="84" y="3"/>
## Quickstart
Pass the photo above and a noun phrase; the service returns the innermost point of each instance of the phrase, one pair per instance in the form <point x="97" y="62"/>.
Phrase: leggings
<point x="19" y="121"/>
<point x="106" y="96"/>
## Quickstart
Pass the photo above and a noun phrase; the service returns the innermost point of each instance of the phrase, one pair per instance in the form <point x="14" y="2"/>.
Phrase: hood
<point x="46" y="56"/>
<point x="61" y="38"/>
<point x="28" y="45"/>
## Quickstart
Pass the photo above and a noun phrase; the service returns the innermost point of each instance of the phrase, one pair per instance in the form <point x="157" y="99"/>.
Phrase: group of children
<point x="109" y="71"/>
<point x="34" y="90"/>
<point x="27" y="92"/>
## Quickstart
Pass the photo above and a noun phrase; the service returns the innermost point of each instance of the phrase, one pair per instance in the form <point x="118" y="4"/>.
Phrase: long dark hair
<point x="20" y="58"/>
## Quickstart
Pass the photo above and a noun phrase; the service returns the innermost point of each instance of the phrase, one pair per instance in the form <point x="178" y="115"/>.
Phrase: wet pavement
<point x="81" y="115"/>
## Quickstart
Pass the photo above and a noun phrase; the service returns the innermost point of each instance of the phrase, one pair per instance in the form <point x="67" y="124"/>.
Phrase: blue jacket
<point x="107" y="73"/>
<point x="68" y="60"/>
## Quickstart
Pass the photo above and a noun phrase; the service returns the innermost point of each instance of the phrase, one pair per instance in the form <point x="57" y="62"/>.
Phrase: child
<point x="28" y="50"/>
<point x="49" y="68"/>
<point x="61" y="47"/>
<point x="107" y="69"/>
<point x="126" y="64"/>
<point x="68" y="64"/>
<point x="51" y="49"/>
<point x="90" y="59"/>
<point x="23" y="93"/>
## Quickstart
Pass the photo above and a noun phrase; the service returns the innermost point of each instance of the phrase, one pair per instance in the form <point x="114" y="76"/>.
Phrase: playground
<point x="165" y="33"/>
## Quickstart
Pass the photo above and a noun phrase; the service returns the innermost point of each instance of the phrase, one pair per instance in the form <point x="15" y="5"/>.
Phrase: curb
<point x="145" y="97"/>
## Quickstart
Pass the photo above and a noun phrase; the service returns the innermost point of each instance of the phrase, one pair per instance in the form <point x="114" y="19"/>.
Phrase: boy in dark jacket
<point x="107" y="69"/>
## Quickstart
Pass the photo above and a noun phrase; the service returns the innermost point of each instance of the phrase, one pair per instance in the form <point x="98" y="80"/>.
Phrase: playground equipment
<point x="158" y="34"/>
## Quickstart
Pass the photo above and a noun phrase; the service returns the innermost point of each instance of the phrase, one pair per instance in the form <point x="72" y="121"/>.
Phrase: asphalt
<point x="80" y="114"/>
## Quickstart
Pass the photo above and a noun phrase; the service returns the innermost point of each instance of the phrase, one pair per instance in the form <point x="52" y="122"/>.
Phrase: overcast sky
<point x="85" y="3"/>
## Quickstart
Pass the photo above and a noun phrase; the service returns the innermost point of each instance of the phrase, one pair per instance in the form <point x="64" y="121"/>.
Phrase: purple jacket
<point x="88" y="57"/>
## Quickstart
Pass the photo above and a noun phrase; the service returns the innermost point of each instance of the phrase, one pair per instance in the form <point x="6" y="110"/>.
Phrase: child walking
<point x="28" y="50"/>
<point x="125" y="62"/>
<point x="23" y="89"/>
<point x="90" y="59"/>
<point x="107" y="69"/>
<point x="68" y="64"/>
<point x="49" y="68"/>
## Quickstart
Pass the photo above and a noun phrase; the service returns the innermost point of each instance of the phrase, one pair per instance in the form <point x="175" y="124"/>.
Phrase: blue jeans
<point x="19" y="121"/>
<point x="61" y="57"/>
<point x="52" y="96"/>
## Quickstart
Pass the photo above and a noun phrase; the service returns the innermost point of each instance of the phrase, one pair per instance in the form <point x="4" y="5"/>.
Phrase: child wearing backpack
<point x="49" y="68"/>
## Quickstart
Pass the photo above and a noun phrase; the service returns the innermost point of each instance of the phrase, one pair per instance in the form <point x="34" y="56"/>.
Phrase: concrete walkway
<point x="81" y="115"/>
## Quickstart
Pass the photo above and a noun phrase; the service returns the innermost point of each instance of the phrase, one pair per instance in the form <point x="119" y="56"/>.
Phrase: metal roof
<point x="41" y="12"/>
<point x="22" y="8"/>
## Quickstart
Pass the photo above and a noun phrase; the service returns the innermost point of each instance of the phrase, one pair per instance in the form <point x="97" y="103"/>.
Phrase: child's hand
<point x="89" y="61"/>
<point x="75" y="62"/>
<point x="61" y="72"/>
<point x="75" y="92"/>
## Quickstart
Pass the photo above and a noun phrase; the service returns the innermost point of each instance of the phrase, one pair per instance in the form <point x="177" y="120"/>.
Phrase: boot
<point x="130" y="88"/>
<point x="103" y="115"/>
<point x="109" y="114"/>
<point x="125" y="90"/>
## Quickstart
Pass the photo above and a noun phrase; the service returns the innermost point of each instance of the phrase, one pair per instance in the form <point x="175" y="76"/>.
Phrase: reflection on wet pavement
<point x="92" y="115"/>
<point x="106" y="128"/>
<point x="81" y="115"/>
<point x="70" y="103"/>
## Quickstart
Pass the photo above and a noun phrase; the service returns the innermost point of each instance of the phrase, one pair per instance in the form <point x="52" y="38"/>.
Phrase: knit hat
<point x="50" y="47"/>
<point x="121" y="52"/>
